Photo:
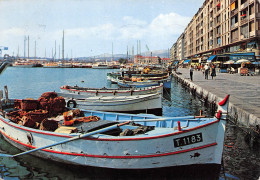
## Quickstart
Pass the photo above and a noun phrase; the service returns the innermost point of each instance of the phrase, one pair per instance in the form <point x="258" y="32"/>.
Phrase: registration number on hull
<point x="187" y="140"/>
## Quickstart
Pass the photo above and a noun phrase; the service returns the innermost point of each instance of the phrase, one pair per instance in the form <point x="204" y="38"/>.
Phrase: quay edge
<point x="237" y="115"/>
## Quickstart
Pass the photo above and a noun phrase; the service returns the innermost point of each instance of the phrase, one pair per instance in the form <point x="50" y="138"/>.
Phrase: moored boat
<point x="110" y="91"/>
<point x="136" y="142"/>
<point x="137" y="84"/>
<point x="149" y="103"/>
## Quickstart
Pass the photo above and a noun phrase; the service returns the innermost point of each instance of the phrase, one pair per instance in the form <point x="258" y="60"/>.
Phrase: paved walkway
<point x="244" y="90"/>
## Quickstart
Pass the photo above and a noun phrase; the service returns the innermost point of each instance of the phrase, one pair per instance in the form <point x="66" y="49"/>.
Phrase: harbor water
<point x="241" y="159"/>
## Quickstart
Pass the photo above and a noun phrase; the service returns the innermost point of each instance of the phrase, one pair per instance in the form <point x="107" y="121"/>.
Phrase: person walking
<point x="213" y="71"/>
<point x="191" y="73"/>
<point x="206" y="67"/>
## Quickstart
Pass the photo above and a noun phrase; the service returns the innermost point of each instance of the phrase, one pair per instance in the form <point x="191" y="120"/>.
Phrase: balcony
<point x="243" y="36"/>
<point x="244" y="20"/>
<point x="257" y="32"/>
<point x="234" y="26"/>
<point x="234" y="12"/>
<point x="252" y="33"/>
<point x="244" y="5"/>
<point x="234" y="39"/>
<point x="252" y="16"/>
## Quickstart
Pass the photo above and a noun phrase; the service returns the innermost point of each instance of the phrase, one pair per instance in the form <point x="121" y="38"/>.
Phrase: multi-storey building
<point x="173" y="52"/>
<point x="226" y="28"/>
<point x="150" y="60"/>
<point x="180" y="47"/>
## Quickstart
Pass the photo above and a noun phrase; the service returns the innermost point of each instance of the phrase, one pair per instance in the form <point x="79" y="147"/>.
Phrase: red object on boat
<point x="179" y="126"/>
<point x="219" y="115"/>
<point x="224" y="101"/>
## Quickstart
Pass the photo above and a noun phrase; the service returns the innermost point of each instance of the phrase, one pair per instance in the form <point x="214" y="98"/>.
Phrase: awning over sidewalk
<point x="248" y="56"/>
<point x="211" y="58"/>
<point x="186" y="61"/>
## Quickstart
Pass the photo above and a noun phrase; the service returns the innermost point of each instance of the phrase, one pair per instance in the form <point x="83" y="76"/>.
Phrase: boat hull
<point x="111" y="92"/>
<point x="140" y="152"/>
<point x="151" y="103"/>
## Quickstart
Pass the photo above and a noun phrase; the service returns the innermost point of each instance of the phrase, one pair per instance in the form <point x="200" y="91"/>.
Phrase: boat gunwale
<point x="112" y="91"/>
<point x="123" y="138"/>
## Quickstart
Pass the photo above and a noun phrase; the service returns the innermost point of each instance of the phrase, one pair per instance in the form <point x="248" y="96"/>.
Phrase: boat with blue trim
<point x="112" y="140"/>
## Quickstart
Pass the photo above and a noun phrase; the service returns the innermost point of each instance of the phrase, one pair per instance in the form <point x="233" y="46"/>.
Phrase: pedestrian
<point x="213" y="71"/>
<point x="206" y="71"/>
<point x="191" y="73"/>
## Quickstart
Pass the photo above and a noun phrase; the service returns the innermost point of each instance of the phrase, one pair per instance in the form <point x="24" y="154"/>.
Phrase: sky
<point x="92" y="26"/>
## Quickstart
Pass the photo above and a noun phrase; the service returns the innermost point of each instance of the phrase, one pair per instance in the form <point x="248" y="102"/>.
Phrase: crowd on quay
<point x="210" y="69"/>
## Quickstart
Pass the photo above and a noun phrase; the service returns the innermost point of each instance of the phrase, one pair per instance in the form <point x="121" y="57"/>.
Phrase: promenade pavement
<point x="244" y="90"/>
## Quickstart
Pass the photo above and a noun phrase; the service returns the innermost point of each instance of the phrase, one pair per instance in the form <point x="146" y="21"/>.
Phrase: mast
<point x="24" y="47"/>
<point x="112" y="57"/>
<point x="34" y="50"/>
<point x="28" y="48"/>
<point x="55" y="52"/>
<point x="63" y="46"/>
<point x="127" y="53"/>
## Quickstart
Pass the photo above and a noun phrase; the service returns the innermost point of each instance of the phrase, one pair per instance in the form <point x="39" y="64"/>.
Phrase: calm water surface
<point x="240" y="159"/>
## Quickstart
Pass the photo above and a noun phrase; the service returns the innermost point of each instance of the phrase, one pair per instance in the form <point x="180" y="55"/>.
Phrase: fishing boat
<point x="148" y="103"/>
<point x="102" y="66"/>
<point x="137" y="84"/>
<point x="116" y="140"/>
<point x="113" y="77"/>
<point x="111" y="91"/>
<point x="23" y="64"/>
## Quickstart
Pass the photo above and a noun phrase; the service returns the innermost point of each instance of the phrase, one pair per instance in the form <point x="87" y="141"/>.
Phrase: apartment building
<point x="149" y="60"/>
<point x="227" y="29"/>
<point x="173" y="52"/>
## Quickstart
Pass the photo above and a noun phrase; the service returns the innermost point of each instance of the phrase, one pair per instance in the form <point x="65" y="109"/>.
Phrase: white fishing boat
<point x="102" y="66"/>
<point x="150" y="103"/>
<point x="137" y="84"/>
<point x="22" y="64"/>
<point x="111" y="91"/>
<point x="136" y="142"/>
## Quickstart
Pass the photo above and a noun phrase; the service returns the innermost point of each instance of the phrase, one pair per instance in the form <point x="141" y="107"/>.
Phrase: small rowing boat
<point x="149" y="103"/>
<point x="110" y="91"/>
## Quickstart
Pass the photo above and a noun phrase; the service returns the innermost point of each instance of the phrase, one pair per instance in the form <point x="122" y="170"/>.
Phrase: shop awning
<point x="211" y="58"/>
<point x="186" y="61"/>
<point x="181" y="61"/>
<point x="249" y="56"/>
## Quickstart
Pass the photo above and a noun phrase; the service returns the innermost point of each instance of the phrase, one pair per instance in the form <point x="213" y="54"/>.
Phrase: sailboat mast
<point x="63" y="46"/>
<point x="28" y="48"/>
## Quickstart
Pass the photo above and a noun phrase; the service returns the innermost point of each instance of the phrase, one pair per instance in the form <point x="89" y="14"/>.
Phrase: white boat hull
<point x="123" y="152"/>
<point x="139" y="103"/>
<point x="171" y="142"/>
<point x="111" y="92"/>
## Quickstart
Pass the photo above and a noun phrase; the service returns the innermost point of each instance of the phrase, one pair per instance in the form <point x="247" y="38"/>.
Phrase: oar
<point x="190" y="118"/>
<point x="67" y="140"/>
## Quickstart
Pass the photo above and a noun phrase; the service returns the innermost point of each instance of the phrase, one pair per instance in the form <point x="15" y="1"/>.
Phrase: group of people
<point x="207" y="69"/>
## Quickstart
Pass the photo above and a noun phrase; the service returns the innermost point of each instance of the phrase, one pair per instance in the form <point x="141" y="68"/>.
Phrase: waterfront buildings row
<point x="221" y="29"/>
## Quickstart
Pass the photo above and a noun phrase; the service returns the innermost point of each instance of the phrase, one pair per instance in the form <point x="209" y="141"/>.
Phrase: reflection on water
<point x="239" y="159"/>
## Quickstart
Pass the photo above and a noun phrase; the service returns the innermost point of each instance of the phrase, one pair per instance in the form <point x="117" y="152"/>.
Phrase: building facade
<point x="173" y="52"/>
<point x="223" y="28"/>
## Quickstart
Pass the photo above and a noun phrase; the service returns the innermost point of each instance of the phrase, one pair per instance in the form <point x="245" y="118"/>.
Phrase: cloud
<point x="170" y="24"/>
<point x="104" y="31"/>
